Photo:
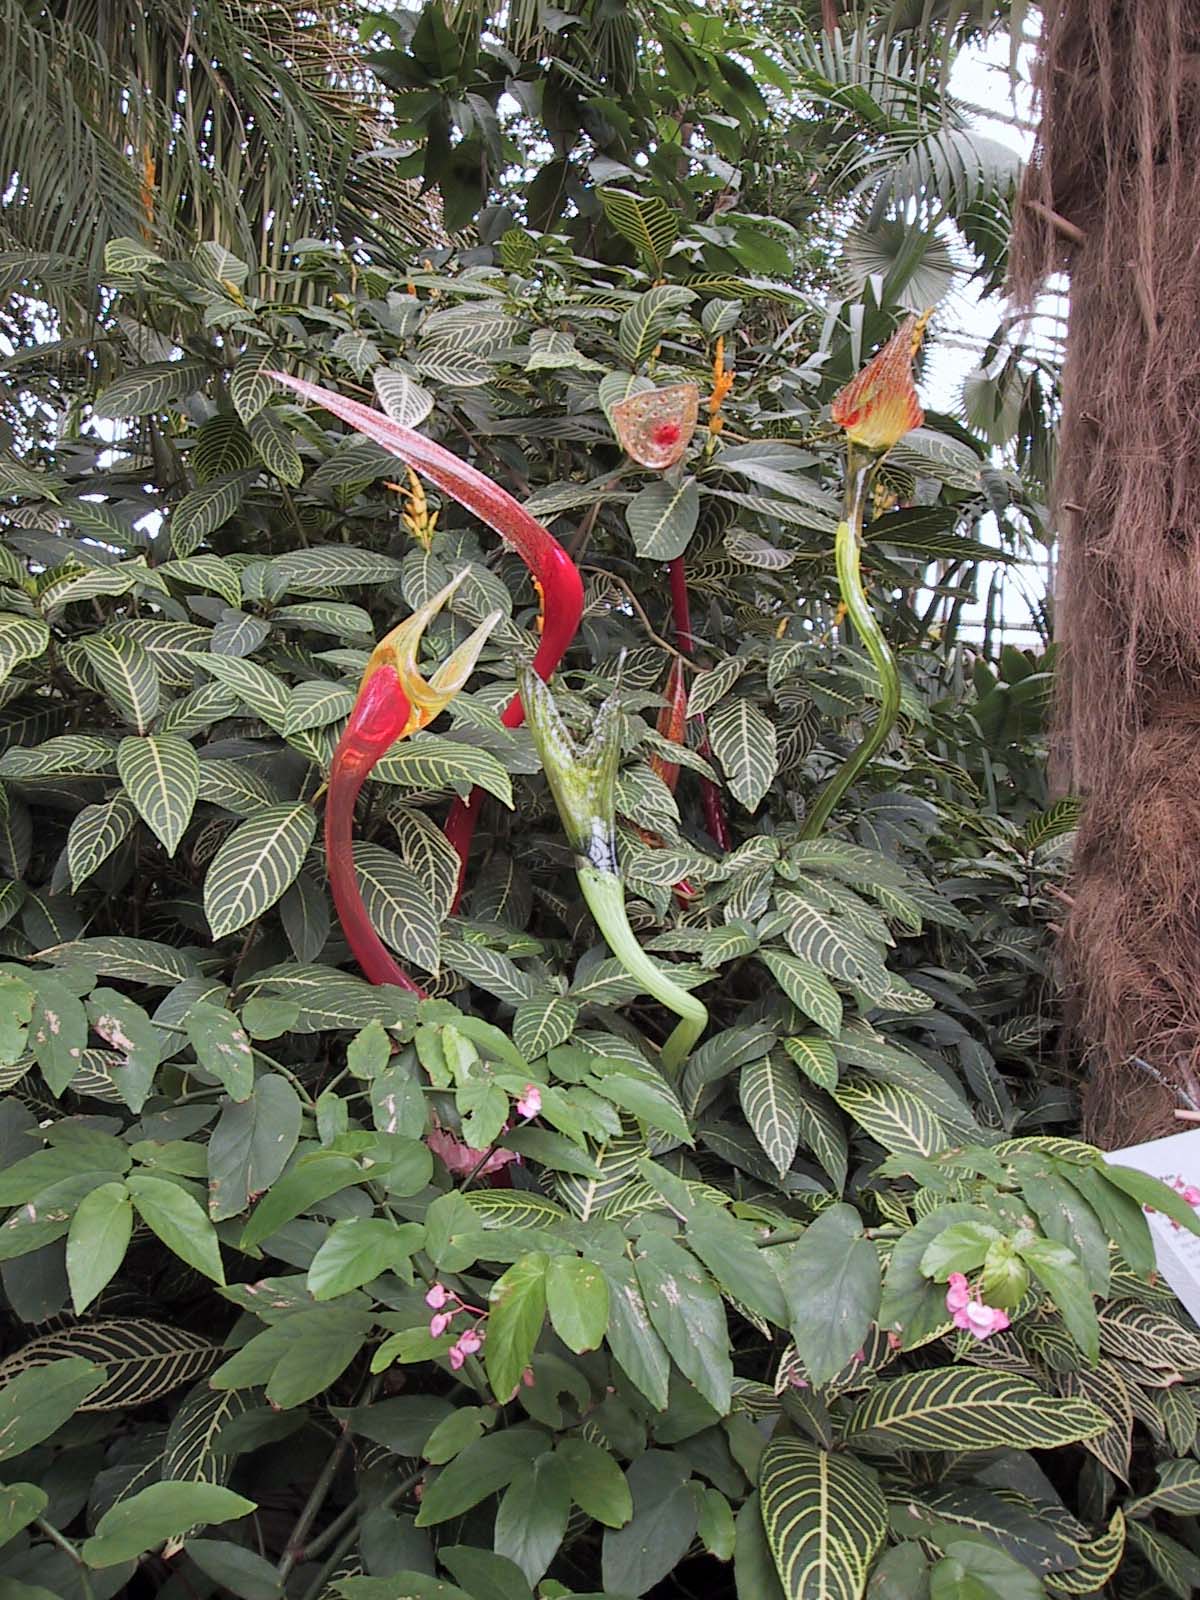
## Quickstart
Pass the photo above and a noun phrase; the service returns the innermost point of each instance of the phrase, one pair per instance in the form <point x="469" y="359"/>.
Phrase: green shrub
<point x="714" y="1348"/>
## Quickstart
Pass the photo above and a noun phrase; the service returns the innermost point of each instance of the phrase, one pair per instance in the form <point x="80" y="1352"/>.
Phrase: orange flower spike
<point x="879" y="406"/>
<point x="722" y="384"/>
<point x="417" y="517"/>
<point x="149" y="179"/>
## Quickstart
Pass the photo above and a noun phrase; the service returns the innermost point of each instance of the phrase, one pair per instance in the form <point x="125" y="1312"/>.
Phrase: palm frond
<point x="896" y="137"/>
<point x="251" y="124"/>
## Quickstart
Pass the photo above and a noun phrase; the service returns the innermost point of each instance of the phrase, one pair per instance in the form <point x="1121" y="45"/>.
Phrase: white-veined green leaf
<point x="67" y="754"/>
<point x="237" y="633"/>
<point x="490" y="970"/>
<point x="74" y="587"/>
<point x="541" y="1023"/>
<point x="266" y="695"/>
<point x="807" y="987"/>
<point x="202" y="511"/>
<point x="614" y="388"/>
<point x="744" y="741"/>
<point x="647" y="221"/>
<point x="1099" y="1559"/>
<point x="647" y="319"/>
<point x="222" y="446"/>
<point x="898" y="1119"/>
<point x="425" y="849"/>
<point x="95" y="833"/>
<point x="255" y="865"/>
<point x="235" y="786"/>
<point x="816" y="1059"/>
<point x="142" y="1360"/>
<point x="404" y="400"/>
<point x="825" y="1518"/>
<point x="769" y="1094"/>
<point x="153" y="387"/>
<point x="332" y="567"/>
<point x="662" y="518"/>
<point x="398" y="906"/>
<point x="127" y="673"/>
<point x="455" y="369"/>
<point x="315" y="704"/>
<point x="357" y="351"/>
<point x="21" y="639"/>
<point x="428" y="761"/>
<point x="958" y="1408"/>
<point x="709" y="687"/>
<point x="249" y="387"/>
<point x="161" y="774"/>
<point x="832" y="942"/>
<point x="275" y="447"/>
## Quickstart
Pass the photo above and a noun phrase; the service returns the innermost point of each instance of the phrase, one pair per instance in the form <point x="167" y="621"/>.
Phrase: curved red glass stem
<point x="555" y="572"/>
<point x="381" y="714"/>
<point x="710" y="796"/>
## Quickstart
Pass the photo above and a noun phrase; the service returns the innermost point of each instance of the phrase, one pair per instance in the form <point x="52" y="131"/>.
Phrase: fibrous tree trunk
<point x="1113" y="198"/>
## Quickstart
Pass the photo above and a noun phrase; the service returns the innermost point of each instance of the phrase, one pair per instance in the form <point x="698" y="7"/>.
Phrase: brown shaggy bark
<point x="1113" y="197"/>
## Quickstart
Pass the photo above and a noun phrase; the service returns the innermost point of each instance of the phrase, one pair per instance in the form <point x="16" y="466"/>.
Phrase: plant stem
<point x="317" y="1587"/>
<point x="289" y="1075"/>
<point x="68" y="1549"/>
<point x="606" y="901"/>
<point x="861" y="471"/>
<point x="294" y="1551"/>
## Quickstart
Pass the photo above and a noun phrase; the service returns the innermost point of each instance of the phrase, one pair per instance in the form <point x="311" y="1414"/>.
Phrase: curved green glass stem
<point x="860" y="475"/>
<point x="605" y="897"/>
<point x="583" y="783"/>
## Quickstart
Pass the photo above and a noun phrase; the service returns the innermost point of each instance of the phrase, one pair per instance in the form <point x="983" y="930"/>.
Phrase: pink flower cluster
<point x="969" y="1311"/>
<point x="446" y="1305"/>
<point x="1187" y="1191"/>
<point x="530" y="1102"/>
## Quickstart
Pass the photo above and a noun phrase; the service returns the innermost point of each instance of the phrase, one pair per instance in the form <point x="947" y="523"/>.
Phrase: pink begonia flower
<point x="982" y="1321"/>
<point x="463" y="1158"/>
<point x="466" y="1346"/>
<point x="1192" y="1195"/>
<point x="528" y="1378"/>
<point x="530" y="1102"/>
<point x="969" y="1312"/>
<point x="437" y="1297"/>
<point x="957" y="1293"/>
<point x="439" y="1324"/>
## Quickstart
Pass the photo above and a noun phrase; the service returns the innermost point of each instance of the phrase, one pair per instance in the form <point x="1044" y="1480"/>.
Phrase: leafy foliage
<point x="703" y="1316"/>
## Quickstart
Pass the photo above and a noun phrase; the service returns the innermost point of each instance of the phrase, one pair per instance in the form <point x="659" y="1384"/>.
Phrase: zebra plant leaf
<point x="825" y="1518"/>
